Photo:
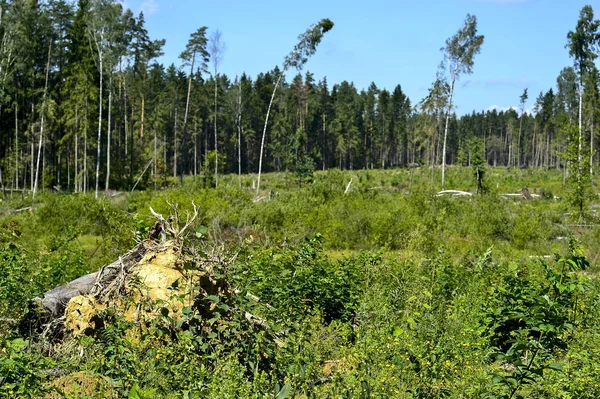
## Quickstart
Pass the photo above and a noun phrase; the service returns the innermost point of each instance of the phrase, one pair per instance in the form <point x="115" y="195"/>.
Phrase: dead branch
<point x="348" y="186"/>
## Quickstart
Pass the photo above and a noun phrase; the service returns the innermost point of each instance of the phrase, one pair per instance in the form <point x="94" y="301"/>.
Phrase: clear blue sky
<point x="385" y="41"/>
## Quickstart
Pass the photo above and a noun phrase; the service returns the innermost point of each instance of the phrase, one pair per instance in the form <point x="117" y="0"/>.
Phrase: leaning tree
<point x="306" y="47"/>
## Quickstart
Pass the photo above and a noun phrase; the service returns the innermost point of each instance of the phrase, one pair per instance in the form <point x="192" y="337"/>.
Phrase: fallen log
<point x="454" y="193"/>
<point x="51" y="306"/>
<point x="15" y="211"/>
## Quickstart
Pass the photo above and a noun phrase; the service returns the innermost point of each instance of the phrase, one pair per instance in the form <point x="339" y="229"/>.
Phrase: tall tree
<point x="522" y="101"/>
<point x="307" y="46"/>
<point x="195" y="52"/>
<point x="592" y="107"/>
<point x="459" y="52"/>
<point x="582" y="44"/>
<point x="217" y="48"/>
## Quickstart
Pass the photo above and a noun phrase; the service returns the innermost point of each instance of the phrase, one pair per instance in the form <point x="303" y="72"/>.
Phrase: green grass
<point x="385" y="291"/>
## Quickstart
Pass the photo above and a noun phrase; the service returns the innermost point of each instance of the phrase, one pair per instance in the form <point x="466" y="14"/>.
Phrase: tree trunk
<point x="239" y="129"/>
<point x="16" y="179"/>
<point x="2" y="184"/>
<point x="216" y="140"/>
<point x="106" y="185"/>
<point x="592" y="148"/>
<point x="155" y="157"/>
<point x="85" y="148"/>
<point x="446" y="131"/>
<point x="519" y="143"/>
<point x="262" y="142"/>
<point x="175" y="146"/>
<point x="37" y="168"/>
<point x="185" y="117"/>
<point x="99" y="126"/>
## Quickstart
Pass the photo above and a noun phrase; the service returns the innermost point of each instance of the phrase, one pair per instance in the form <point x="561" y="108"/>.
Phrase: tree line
<point x="86" y="106"/>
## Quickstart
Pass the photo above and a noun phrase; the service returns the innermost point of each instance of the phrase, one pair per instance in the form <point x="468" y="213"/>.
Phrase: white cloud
<point x="149" y="7"/>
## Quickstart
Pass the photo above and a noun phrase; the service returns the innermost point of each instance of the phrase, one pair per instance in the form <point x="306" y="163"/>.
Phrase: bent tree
<point x="306" y="47"/>
<point x="459" y="52"/>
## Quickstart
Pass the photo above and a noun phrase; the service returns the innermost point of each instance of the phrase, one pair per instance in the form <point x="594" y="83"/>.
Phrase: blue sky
<point x="384" y="41"/>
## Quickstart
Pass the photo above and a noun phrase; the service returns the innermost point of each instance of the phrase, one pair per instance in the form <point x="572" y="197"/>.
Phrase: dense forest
<point x="84" y="103"/>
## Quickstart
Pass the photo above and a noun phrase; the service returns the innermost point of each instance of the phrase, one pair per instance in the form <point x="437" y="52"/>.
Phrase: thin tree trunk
<point x="216" y="140"/>
<point x="2" y="184"/>
<point x="32" y="161"/>
<point x="446" y="132"/>
<point x="533" y="151"/>
<point x="106" y="185"/>
<point x="155" y="157"/>
<point x="592" y="148"/>
<point x="580" y="152"/>
<point x="85" y="148"/>
<point x="262" y="142"/>
<point x="37" y="167"/>
<point x="126" y="125"/>
<point x="519" y="143"/>
<point x="31" y="171"/>
<point x="76" y="176"/>
<point x="143" y="116"/>
<point x="175" y="146"/>
<point x="185" y="116"/>
<point x="164" y="167"/>
<point x="99" y="127"/>
<point x="16" y="180"/>
<point x="239" y="129"/>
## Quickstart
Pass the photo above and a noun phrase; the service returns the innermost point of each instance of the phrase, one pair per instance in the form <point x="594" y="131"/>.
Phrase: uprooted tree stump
<point x="158" y="277"/>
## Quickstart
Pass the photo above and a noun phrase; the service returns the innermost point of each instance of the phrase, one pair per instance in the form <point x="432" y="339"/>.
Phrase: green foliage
<point x="332" y="293"/>
<point x="531" y="322"/>
<point x="301" y="281"/>
<point x="304" y="169"/>
<point x="19" y="369"/>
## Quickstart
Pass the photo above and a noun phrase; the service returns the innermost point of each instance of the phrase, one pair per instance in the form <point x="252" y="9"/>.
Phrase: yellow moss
<point x="79" y="314"/>
<point x="81" y="384"/>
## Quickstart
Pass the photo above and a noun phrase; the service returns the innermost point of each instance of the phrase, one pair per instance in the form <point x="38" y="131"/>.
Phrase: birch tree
<point x="307" y="46"/>
<point x="459" y="52"/>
